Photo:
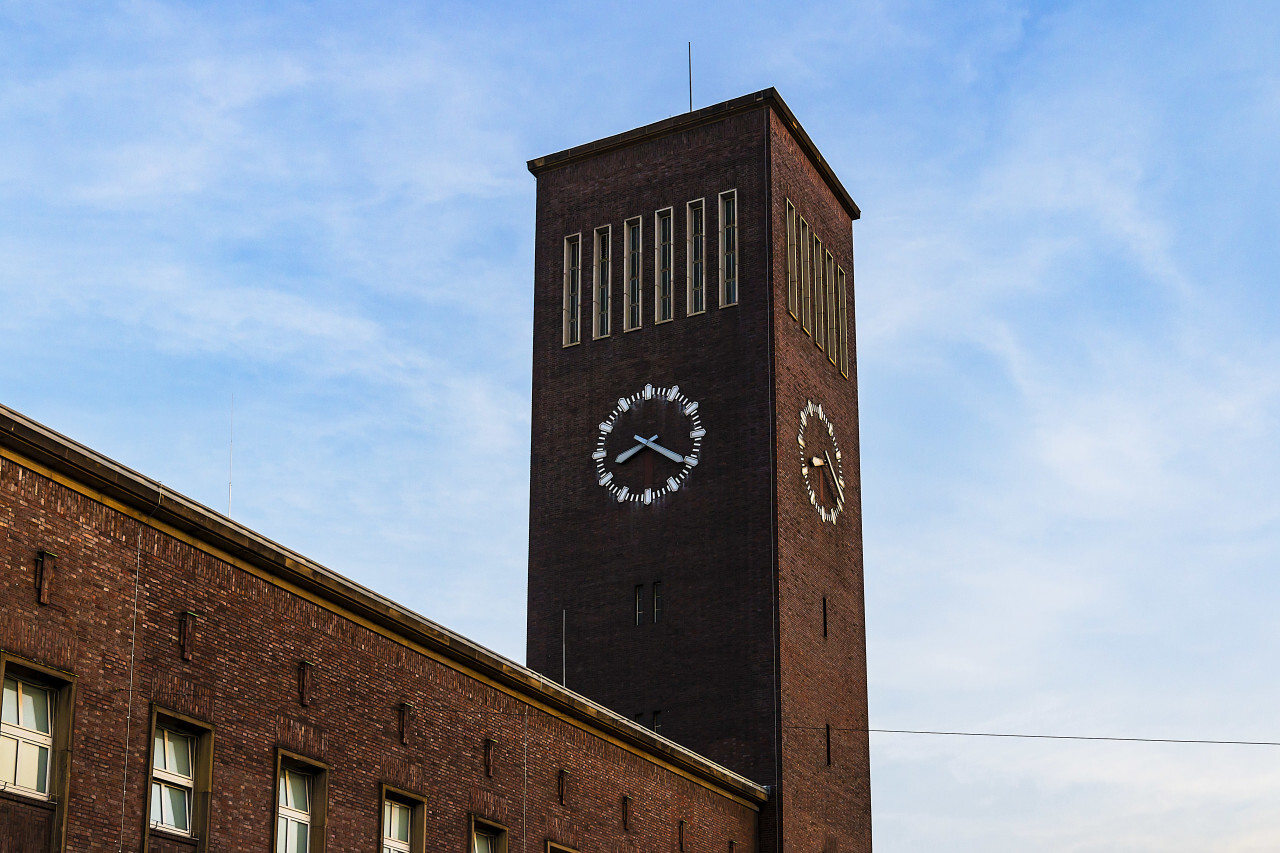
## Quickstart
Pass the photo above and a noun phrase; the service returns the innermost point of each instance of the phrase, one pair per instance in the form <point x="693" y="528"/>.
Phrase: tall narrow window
<point x="696" y="298"/>
<point x="819" y="295"/>
<point x="603" y="284"/>
<point x="26" y="737"/>
<point x="728" y="248"/>
<point x="657" y="601"/>
<point x="572" y="290"/>
<point x="657" y="721"/>
<point x="294" y="811"/>
<point x="633" y="271"/>
<point x="639" y="604"/>
<point x="812" y="293"/>
<point x="663" y="259"/>
<point x="829" y="279"/>
<point x="793" y="296"/>
<point x="172" y="780"/>
<point x="843" y="322"/>
<point x="397" y="826"/>
<point x="802" y="258"/>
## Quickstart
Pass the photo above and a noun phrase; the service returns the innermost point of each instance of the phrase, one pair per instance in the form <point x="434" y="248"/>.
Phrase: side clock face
<point x="820" y="461"/>
<point x="648" y="444"/>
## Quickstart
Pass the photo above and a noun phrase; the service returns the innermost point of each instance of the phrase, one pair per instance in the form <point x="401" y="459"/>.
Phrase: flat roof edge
<point x="706" y="115"/>
<point x="76" y="462"/>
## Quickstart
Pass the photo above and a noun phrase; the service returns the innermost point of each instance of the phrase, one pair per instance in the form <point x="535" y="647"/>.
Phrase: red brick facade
<point x="743" y="666"/>
<point x="223" y="625"/>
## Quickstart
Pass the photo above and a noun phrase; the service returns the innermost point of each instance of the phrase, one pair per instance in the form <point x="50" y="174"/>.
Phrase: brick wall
<point x="242" y="679"/>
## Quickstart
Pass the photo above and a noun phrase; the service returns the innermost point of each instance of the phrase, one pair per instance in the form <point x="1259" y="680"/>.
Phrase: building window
<point x="397" y="826"/>
<point x="657" y="721"/>
<point x="802" y="260"/>
<point x="696" y="259"/>
<point x="663" y="261"/>
<point x="793" y="263"/>
<point x="572" y="290"/>
<point x="833" y="342"/>
<point x="36" y="710"/>
<point x="403" y="829"/>
<point x="633" y="271"/>
<point x="26" y="737"/>
<point x="301" y="798"/>
<point x="819" y="294"/>
<point x="487" y="837"/>
<point x="293" y="816"/>
<point x="657" y="602"/>
<point x="172" y="780"/>
<point x="728" y="248"/>
<point x="603" y="284"/>
<point x="842" y="322"/>
<point x="639" y="604"/>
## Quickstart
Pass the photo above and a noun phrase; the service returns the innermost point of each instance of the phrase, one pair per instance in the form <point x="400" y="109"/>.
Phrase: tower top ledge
<point x="706" y="115"/>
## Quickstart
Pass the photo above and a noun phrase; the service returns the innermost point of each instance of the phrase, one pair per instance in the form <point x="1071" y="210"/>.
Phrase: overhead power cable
<point x="1050" y="737"/>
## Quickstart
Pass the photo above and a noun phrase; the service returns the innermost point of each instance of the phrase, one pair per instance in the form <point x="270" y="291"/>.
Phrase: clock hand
<point x="832" y="468"/>
<point x="627" y="454"/>
<point x="649" y="442"/>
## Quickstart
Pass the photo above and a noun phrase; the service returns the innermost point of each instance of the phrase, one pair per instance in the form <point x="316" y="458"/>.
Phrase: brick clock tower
<point x="695" y="557"/>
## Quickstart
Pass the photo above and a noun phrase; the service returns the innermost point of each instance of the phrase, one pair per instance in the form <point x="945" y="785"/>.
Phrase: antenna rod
<point x="231" y="453"/>
<point x="690" y="76"/>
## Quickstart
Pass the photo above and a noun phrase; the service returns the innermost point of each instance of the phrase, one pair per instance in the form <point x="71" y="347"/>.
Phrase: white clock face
<point x="820" y="461"/>
<point x="648" y="444"/>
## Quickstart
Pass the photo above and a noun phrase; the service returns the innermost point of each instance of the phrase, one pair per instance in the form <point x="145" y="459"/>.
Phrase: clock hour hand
<point x="627" y="454"/>
<point x="834" y="479"/>
<point x="649" y="442"/>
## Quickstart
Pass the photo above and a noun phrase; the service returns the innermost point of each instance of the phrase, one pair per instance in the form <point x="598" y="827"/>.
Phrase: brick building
<point x="174" y="681"/>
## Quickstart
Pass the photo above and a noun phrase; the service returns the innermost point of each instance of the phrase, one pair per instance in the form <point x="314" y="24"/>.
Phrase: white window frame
<point x="391" y="844"/>
<point x="572" y="319"/>
<point x="695" y="257"/>
<point x="667" y="213"/>
<point x="806" y="303"/>
<point x="602" y="329"/>
<point x="793" y="295"/>
<point x="735" y="239"/>
<point x="32" y="738"/>
<point x="164" y="777"/>
<point x="291" y="814"/>
<point x="633" y="272"/>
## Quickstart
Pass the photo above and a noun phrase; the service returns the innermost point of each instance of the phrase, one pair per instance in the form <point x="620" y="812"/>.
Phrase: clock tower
<point x="695" y="558"/>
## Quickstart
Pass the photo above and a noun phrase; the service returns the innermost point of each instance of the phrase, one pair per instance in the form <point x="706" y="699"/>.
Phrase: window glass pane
<point x="400" y="827"/>
<point x="282" y="835"/>
<point x="386" y="818"/>
<point x="33" y="765"/>
<point x="484" y="843"/>
<point x="179" y="754"/>
<point x="300" y="837"/>
<point x="157" y="751"/>
<point x="298" y="791"/>
<point x="176" y="807"/>
<point x="8" y="759"/>
<point x="35" y="708"/>
<point x="157" y="810"/>
<point x="10" y="713"/>
<point x="284" y="788"/>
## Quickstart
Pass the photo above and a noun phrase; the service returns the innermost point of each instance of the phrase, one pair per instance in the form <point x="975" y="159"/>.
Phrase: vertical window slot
<point x="603" y="290"/>
<point x="696" y="298"/>
<point x="572" y="290"/>
<point x="633" y="273"/>
<point x="728" y="248"/>
<point x="663" y="261"/>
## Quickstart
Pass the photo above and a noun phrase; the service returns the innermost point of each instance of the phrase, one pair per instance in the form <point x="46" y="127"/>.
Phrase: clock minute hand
<point x="834" y="479"/>
<point x="627" y="454"/>
<point x="651" y="444"/>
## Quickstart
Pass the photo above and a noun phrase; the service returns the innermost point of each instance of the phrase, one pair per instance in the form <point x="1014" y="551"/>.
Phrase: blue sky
<point x="1066" y="310"/>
